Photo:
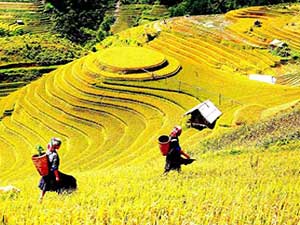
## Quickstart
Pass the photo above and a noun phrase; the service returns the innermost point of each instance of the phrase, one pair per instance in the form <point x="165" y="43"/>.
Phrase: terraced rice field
<point x="109" y="114"/>
<point x="134" y="14"/>
<point x="6" y="89"/>
<point x="28" y="12"/>
<point x="71" y="106"/>
<point x="17" y="18"/>
<point x="90" y="114"/>
<point x="28" y="49"/>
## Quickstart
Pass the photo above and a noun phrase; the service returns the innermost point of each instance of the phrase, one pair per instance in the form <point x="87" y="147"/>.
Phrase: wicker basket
<point x="41" y="164"/>
<point x="164" y="144"/>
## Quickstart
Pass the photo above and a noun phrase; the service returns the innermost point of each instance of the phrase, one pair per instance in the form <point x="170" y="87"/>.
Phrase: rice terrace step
<point x="125" y="63"/>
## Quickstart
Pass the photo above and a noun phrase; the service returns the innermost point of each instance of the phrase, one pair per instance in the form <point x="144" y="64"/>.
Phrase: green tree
<point x="70" y="16"/>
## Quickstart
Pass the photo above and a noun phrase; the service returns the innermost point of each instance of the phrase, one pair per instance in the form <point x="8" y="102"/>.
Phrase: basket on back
<point x="41" y="164"/>
<point x="164" y="144"/>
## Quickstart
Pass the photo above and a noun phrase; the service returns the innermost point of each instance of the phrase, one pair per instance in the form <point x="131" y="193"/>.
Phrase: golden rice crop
<point x="219" y="188"/>
<point x="129" y="58"/>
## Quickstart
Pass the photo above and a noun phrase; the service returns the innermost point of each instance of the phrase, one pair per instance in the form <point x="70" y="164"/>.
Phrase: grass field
<point x="246" y="169"/>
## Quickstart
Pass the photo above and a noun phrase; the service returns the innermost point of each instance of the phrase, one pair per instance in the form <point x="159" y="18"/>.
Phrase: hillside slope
<point x="88" y="105"/>
<point x="110" y="107"/>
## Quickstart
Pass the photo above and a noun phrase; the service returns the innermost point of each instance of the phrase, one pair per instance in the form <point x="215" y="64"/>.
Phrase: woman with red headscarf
<point x="55" y="180"/>
<point x="173" y="158"/>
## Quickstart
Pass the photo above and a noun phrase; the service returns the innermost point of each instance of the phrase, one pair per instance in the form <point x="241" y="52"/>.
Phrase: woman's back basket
<point x="41" y="164"/>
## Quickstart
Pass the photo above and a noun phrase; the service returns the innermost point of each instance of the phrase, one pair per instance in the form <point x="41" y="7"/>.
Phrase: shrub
<point x="101" y="34"/>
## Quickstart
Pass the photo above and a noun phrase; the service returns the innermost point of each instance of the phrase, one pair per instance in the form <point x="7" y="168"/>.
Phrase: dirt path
<point x="116" y="12"/>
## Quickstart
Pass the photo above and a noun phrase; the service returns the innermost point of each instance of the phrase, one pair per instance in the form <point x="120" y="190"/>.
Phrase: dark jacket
<point x="53" y="160"/>
<point x="173" y="158"/>
<point x="67" y="183"/>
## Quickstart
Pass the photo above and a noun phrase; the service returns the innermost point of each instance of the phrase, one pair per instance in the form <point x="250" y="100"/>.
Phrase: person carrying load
<point x="54" y="180"/>
<point x="173" y="156"/>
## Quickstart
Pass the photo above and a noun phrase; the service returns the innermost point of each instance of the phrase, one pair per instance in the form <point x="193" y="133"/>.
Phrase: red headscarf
<point x="54" y="144"/>
<point x="176" y="131"/>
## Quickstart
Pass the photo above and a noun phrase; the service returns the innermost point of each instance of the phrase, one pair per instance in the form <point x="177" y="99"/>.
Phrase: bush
<point x="49" y="8"/>
<point x="3" y="32"/>
<point x="107" y="22"/>
<point x="101" y="34"/>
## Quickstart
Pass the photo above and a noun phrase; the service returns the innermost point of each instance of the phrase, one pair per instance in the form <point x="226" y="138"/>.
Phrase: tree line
<point x="200" y="7"/>
<point x="84" y="21"/>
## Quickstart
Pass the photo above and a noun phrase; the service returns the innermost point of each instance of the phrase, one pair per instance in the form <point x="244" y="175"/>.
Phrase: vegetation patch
<point x="248" y="114"/>
<point x="22" y="17"/>
<point x="134" y="37"/>
<point x="24" y="74"/>
<point x="77" y="21"/>
<point x="137" y="14"/>
<point x="281" y="129"/>
<point x="41" y="49"/>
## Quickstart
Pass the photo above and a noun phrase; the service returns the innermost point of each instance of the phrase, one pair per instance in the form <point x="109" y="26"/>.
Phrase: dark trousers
<point x="67" y="183"/>
<point x="175" y="163"/>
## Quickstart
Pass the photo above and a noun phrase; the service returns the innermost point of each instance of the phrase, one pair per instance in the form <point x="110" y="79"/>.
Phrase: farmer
<point x="55" y="180"/>
<point x="174" y="159"/>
